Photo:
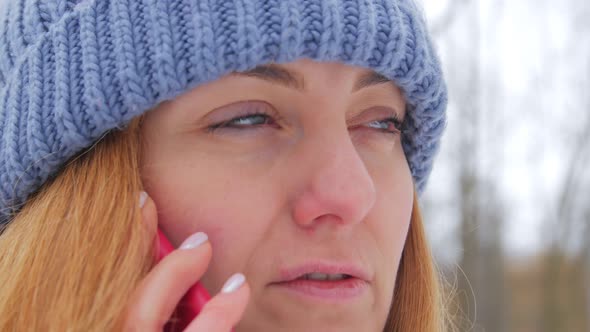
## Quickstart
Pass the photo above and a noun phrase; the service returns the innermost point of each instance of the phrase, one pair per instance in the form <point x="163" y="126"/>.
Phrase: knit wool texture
<point x="72" y="70"/>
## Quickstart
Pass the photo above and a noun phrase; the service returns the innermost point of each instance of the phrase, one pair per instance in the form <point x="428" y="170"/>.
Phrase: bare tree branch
<point x="573" y="174"/>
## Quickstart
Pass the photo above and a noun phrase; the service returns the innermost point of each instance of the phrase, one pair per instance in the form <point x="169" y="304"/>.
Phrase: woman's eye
<point x="389" y="125"/>
<point x="249" y="120"/>
<point x="244" y="121"/>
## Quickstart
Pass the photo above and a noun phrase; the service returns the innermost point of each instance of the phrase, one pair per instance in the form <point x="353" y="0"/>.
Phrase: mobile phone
<point x="193" y="301"/>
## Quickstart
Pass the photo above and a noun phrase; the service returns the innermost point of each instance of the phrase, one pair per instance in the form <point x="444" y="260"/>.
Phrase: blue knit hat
<point x="71" y="70"/>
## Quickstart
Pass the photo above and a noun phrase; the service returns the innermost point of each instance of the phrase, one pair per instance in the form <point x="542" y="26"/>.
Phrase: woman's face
<point x="290" y="169"/>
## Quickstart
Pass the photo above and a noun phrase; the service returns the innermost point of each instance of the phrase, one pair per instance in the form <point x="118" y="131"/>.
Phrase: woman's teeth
<point x="324" y="276"/>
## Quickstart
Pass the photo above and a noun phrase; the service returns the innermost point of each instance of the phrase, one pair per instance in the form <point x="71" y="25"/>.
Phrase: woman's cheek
<point x="233" y="231"/>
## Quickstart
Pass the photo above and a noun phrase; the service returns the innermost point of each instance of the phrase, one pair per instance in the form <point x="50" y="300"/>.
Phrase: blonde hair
<point x="78" y="248"/>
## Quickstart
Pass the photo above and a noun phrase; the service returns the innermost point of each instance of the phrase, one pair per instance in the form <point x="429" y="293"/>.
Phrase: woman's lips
<point x="338" y="290"/>
<point x="293" y="279"/>
<point x="326" y="267"/>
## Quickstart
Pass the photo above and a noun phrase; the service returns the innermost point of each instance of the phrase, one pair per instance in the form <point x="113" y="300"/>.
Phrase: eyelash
<point x="230" y="124"/>
<point x="397" y="125"/>
<point x="248" y="114"/>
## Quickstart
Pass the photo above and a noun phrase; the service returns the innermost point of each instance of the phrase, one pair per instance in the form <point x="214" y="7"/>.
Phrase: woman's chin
<point x="311" y="322"/>
<point x="286" y="309"/>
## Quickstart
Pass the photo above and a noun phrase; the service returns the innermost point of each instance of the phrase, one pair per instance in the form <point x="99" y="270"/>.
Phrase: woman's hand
<point x="157" y="296"/>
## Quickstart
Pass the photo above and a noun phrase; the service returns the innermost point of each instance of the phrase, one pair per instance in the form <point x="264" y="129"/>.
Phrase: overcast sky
<point x="538" y="59"/>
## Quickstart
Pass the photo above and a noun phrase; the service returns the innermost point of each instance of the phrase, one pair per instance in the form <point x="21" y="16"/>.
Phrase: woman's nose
<point x="334" y="185"/>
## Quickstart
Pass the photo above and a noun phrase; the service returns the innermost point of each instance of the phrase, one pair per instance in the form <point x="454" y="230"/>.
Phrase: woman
<point x="291" y="138"/>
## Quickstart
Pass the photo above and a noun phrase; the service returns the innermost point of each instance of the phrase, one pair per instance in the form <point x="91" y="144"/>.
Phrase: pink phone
<point x="194" y="299"/>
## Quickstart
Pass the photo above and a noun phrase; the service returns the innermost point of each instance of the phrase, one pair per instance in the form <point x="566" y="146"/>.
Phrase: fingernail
<point x="142" y="198"/>
<point x="194" y="241"/>
<point x="233" y="283"/>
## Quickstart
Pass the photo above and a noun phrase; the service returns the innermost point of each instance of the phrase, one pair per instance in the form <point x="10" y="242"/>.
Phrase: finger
<point x="149" y="219"/>
<point x="224" y="310"/>
<point x="159" y="293"/>
<point x="156" y="297"/>
<point x="171" y="278"/>
<point x="149" y="212"/>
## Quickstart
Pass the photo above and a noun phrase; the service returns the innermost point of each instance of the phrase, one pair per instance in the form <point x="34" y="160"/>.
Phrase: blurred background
<point x="507" y="208"/>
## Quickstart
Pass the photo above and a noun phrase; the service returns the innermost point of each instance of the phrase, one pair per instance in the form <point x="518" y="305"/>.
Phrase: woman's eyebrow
<point x="370" y="78"/>
<point x="277" y="74"/>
